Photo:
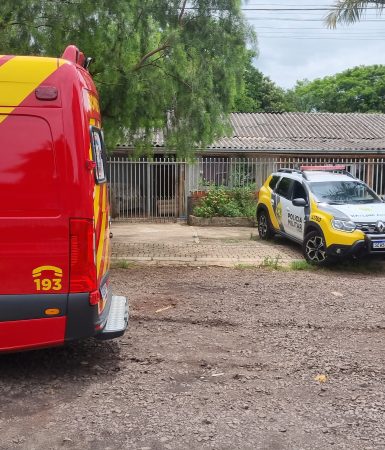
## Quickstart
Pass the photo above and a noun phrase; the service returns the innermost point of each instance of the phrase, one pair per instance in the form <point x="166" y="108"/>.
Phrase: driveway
<point x="214" y="358"/>
<point x="174" y="243"/>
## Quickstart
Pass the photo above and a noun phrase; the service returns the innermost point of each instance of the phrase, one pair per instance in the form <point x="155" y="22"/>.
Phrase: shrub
<point x="223" y="202"/>
<point x="245" y="199"/>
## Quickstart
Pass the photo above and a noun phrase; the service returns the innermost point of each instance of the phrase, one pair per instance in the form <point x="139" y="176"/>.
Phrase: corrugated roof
<point x="302" y="131"/>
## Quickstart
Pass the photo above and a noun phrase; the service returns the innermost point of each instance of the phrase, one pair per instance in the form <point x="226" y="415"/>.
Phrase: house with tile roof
<point x="259" y="144"/>
<point x="292" y="133"/>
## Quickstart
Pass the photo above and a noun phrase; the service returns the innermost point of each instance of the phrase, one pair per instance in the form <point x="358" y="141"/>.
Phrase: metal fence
<point x="159" y="189"/>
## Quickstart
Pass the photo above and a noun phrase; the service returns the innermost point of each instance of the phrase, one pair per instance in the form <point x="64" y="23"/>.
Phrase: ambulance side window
<point x="98" y="151"/>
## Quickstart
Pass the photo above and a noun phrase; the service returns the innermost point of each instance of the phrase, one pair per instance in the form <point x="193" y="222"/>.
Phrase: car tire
<point x="265" y="230"/>
<point x="314" y="249"/>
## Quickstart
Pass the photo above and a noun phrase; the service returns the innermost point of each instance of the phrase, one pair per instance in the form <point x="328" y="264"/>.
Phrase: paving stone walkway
<point x="180" y="244"/>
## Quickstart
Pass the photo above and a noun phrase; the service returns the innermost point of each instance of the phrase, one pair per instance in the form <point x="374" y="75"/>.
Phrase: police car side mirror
<point x="299" y="202"/>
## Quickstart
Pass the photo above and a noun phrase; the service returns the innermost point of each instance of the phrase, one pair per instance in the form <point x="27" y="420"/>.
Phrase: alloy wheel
<point x="262" y="225"/>
<point x="315" y="249"/>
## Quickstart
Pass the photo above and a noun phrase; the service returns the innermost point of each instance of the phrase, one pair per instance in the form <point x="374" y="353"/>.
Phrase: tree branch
<point x="172" y="76"/>
<point x="151" y="63"/>
<point x="164" y="46"/>
<point x="180" y="18"/>
<point x="152" y="53"/>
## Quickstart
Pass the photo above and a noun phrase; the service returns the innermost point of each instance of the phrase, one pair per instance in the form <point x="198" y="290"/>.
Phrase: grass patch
<point x="301" y="264"/>
<point x="122" y="264"/>
<point x="245" y="267"/>
<point x="272" y="263"/>
<point x="364" y="266"/>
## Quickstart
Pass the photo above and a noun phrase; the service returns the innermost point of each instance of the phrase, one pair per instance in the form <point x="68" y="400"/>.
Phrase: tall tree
<point x="259" y="93"/>
<point x="351" y="11"/>
<point x="168" y="64"/>
<point x="361" y="89"/>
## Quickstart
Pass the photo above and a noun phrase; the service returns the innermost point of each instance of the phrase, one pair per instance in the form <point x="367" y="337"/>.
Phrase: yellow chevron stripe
<point x="99" y="254"/>
<point x="15" y="70"/>
<point x="96" y="203"/>
<point x="107" y="255"/>
<point x="5" y="110"/>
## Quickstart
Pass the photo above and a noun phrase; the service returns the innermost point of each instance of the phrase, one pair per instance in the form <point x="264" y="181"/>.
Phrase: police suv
<point x="324" y="208"/>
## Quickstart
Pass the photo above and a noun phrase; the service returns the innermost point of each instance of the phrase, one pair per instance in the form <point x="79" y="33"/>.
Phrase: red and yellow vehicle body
<point x="54" y="210"/>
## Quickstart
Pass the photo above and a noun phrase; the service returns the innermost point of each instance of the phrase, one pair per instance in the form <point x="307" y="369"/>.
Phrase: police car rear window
<point x="28" y="176"/>
<point x="284" y="187"/>
<point x="273" y="182"/>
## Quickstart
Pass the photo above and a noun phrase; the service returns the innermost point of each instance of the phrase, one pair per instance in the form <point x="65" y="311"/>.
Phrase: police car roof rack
<point x="327" y="168"/>
<point x="287" y="170"/>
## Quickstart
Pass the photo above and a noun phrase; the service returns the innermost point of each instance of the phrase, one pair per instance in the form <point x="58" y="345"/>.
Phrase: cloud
<point x="316" y="51"/>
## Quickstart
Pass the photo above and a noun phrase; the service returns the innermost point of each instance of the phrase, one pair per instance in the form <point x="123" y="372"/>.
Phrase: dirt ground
<point x="214" y="358"/>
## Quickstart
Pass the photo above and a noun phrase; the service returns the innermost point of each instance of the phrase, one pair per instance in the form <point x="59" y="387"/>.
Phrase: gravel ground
<point x="214" y="358"/>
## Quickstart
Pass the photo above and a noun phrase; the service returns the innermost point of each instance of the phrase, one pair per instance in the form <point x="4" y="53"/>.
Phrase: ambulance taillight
<point x="82" y="256"/>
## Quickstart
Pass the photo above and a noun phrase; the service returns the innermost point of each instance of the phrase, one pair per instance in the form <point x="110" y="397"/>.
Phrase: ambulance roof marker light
<point x="46" y="93"/>
<point x="74" y="55"/>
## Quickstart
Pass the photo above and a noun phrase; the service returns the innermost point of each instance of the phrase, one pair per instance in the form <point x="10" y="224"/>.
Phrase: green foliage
<point x="271" y="263"/>
<point x="157" y="64"/>
<point x="259" y="93"/>
<point x="242" y="266"/>
<point x="245" y="198"/>
<point x="223" y="202"/>
<point x="301" y="264"/>
<point x="351" y="11"/>
<point x="361" y="89"/>
<point x="122" y="264"/>
<point x="217" y="203"/>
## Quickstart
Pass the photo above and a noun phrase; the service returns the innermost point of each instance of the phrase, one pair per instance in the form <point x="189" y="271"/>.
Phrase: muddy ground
<point x="214" y="358"/>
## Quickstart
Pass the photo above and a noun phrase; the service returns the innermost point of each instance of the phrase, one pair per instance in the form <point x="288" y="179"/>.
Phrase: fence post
<point x="181" y="184"/>
<point x="148" y="188"/>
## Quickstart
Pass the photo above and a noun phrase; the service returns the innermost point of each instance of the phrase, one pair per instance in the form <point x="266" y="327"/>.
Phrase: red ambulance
<point x="54" y="209"/>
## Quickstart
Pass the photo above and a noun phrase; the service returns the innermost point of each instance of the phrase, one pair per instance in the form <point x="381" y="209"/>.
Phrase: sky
<point x="294" y="45"/>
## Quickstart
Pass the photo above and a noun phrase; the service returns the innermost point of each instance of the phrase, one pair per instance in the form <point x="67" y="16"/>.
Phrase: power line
<point x="323" y="38"/>
<point x="265" y="33"/>
<point x="193" y="8"/>
<point x="296" y="19"/>
<point x="320" y="29"/>
<point x="304" y="9"/>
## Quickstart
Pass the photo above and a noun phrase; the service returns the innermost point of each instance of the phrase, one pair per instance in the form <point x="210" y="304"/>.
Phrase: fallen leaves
<point x="321" y="378"/>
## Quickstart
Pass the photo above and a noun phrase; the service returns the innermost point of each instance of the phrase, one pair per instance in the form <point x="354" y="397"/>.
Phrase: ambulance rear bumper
<point x="30" y="334"/>
<point x="117" y="319"/>
<point x="24" y="323"/>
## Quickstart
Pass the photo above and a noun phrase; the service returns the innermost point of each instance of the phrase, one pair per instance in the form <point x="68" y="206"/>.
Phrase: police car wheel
<point x="264" y="228"/>
<point x="314" y="249"/>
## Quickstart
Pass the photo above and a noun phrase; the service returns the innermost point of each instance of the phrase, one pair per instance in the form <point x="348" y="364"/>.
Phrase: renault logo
<point x="380" y="225"/>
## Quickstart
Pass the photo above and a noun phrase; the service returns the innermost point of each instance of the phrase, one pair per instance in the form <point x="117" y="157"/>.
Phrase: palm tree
<point x="351" y="11"/>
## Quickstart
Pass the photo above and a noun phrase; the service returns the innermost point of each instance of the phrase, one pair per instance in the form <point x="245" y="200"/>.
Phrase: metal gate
<point x="158" y="190"/>
<point x="146" y="189"/>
